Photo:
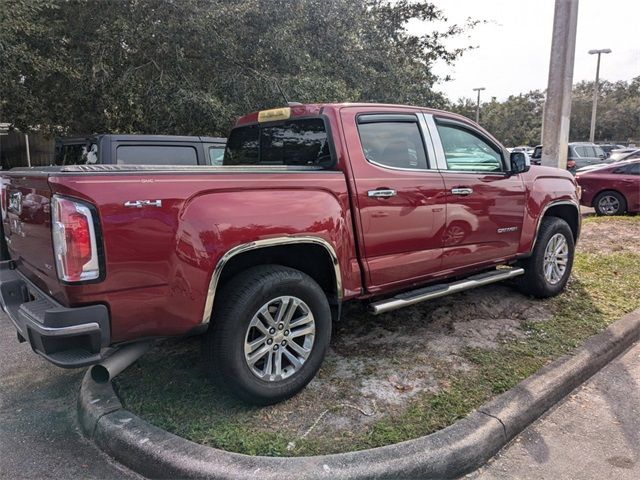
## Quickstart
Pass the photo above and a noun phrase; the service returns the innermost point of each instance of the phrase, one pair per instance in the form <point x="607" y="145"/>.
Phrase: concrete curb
<point x="448" y="453"/>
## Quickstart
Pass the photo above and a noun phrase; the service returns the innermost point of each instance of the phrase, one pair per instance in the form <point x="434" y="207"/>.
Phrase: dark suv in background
<point x="139" y="150"/>
<point x="580" y="154"/>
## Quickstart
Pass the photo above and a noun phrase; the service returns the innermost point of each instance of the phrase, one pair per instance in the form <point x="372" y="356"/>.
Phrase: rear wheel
<point x="610" y="203"/>
<point x="270" y="331"/>
<point x="547" y="270"/>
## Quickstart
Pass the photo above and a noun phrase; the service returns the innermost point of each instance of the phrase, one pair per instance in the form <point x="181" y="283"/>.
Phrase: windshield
<point x="301" y="142"/>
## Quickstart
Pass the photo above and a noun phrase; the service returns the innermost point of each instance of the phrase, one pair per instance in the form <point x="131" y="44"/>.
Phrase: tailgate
<point x="26" y="221"/>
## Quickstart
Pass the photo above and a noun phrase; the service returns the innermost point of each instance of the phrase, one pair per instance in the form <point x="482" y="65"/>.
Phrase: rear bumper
<point x="67" y="337"/>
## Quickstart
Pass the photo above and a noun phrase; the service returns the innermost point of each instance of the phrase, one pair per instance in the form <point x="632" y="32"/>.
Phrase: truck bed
<point x="159" y="260"/>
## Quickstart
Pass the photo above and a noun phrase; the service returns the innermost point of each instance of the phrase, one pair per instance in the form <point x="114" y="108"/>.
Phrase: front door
<point x="400" y="199"/>
<point x="485" y="203"/>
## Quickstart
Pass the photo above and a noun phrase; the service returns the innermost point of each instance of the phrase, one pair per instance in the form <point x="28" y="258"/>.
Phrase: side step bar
<point x="441" y="290"/>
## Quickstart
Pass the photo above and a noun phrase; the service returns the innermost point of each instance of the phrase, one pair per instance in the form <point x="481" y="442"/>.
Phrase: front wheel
<point x="547" y="270"/>
<point x="269" y="334"/>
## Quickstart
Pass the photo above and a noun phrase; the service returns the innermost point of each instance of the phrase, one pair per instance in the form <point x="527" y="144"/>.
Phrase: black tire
<point x="534" y="282"/>
<point x="233" y="311"/>
<point x="610" y="194"/>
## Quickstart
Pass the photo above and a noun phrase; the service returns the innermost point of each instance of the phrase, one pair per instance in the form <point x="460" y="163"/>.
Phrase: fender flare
<point x="544" y="212"/>
<point x="266" y="243"/>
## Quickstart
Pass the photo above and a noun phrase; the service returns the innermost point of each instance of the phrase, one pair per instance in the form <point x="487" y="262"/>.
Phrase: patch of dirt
<point x="376" y="365"/>
<point x="621" y="235"/>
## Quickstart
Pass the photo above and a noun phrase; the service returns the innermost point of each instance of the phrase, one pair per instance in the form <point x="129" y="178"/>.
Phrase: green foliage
<point x="192" y="66"/>
<point x="618" y="115"/>
<point x="518" y="119"/>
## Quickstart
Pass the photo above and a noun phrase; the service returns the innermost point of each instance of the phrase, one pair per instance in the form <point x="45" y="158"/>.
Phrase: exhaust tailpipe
<point x="115" y="363"/>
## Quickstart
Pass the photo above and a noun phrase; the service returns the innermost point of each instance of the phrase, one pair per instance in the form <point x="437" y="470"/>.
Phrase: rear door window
<point x="393" y="144"/>
<point x="301" y="142"/>
<point x="156" y="155"/>
<point x="77" y="154"/>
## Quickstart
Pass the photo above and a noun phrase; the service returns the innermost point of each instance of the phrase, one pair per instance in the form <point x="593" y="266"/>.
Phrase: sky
<point x="513" y="47"/>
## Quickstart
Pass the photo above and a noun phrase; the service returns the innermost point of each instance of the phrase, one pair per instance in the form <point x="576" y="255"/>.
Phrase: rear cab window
<point x="156" y="155"/>
<point x="295" y="142"/>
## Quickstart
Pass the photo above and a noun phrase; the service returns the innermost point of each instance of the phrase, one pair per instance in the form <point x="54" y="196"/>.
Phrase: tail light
<point x="74" y="240"/>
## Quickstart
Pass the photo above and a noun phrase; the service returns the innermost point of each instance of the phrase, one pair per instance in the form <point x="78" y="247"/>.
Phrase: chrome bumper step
<point x="435" y="291"/>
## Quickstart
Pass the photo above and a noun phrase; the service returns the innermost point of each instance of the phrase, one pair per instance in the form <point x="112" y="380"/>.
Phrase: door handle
<point x="382" y="193"/>
<point x="462" y="191"/>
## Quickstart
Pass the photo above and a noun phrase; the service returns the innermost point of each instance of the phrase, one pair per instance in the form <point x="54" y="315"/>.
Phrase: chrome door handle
<point x="462" y="191"/>
<point x="382" y="193"/>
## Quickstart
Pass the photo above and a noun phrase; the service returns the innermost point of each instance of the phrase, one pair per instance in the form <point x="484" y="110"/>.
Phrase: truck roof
<point x="314" y="109"/>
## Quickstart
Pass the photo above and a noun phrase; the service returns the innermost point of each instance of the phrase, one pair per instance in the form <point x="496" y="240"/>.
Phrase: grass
<point x="602" y="289"/>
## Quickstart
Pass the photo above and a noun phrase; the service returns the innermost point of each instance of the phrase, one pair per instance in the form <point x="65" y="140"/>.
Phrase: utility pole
<point x="557" y="106"/>
<point x="479" y="89"/>
<point x="592" y="132"/>
<point x="26" y="144"/>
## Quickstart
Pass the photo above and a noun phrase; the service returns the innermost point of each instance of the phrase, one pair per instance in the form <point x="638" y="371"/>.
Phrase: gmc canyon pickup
<point x="314" y="206"/>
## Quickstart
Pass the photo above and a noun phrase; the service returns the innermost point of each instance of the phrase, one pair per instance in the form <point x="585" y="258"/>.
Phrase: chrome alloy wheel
<point x="279" y="338"/>
<point x="556" y="257"/>
<point x="609" y="205"/>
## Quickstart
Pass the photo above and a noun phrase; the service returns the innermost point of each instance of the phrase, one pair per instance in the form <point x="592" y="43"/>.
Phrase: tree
<point x="518" y="120"/>
<point x="192" y="66"/>
<point x="618" y="114"/>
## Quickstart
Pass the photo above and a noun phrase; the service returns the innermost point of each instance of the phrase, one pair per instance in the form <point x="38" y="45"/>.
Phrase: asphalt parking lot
<point x="593" y="434"/>
<point x="39" y="436"/>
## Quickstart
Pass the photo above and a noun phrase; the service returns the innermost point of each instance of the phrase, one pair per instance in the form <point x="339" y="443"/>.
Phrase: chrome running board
<point x="435" y="291"/>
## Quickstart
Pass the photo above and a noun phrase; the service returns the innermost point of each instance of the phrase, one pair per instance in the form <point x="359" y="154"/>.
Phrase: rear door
<point x="485" y="203"/>
<point x="399" y="194"/>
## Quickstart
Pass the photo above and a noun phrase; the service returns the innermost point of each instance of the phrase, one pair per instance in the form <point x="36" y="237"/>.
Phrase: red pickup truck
<point x="314" y="206"/>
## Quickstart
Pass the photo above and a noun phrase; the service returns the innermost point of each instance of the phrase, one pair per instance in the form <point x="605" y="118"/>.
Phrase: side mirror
<point x="520" y="162"/>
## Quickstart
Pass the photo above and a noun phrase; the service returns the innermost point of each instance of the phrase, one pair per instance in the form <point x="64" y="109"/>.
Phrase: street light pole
<point x="592" y="132"/>
<point x="479" y="89"/>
